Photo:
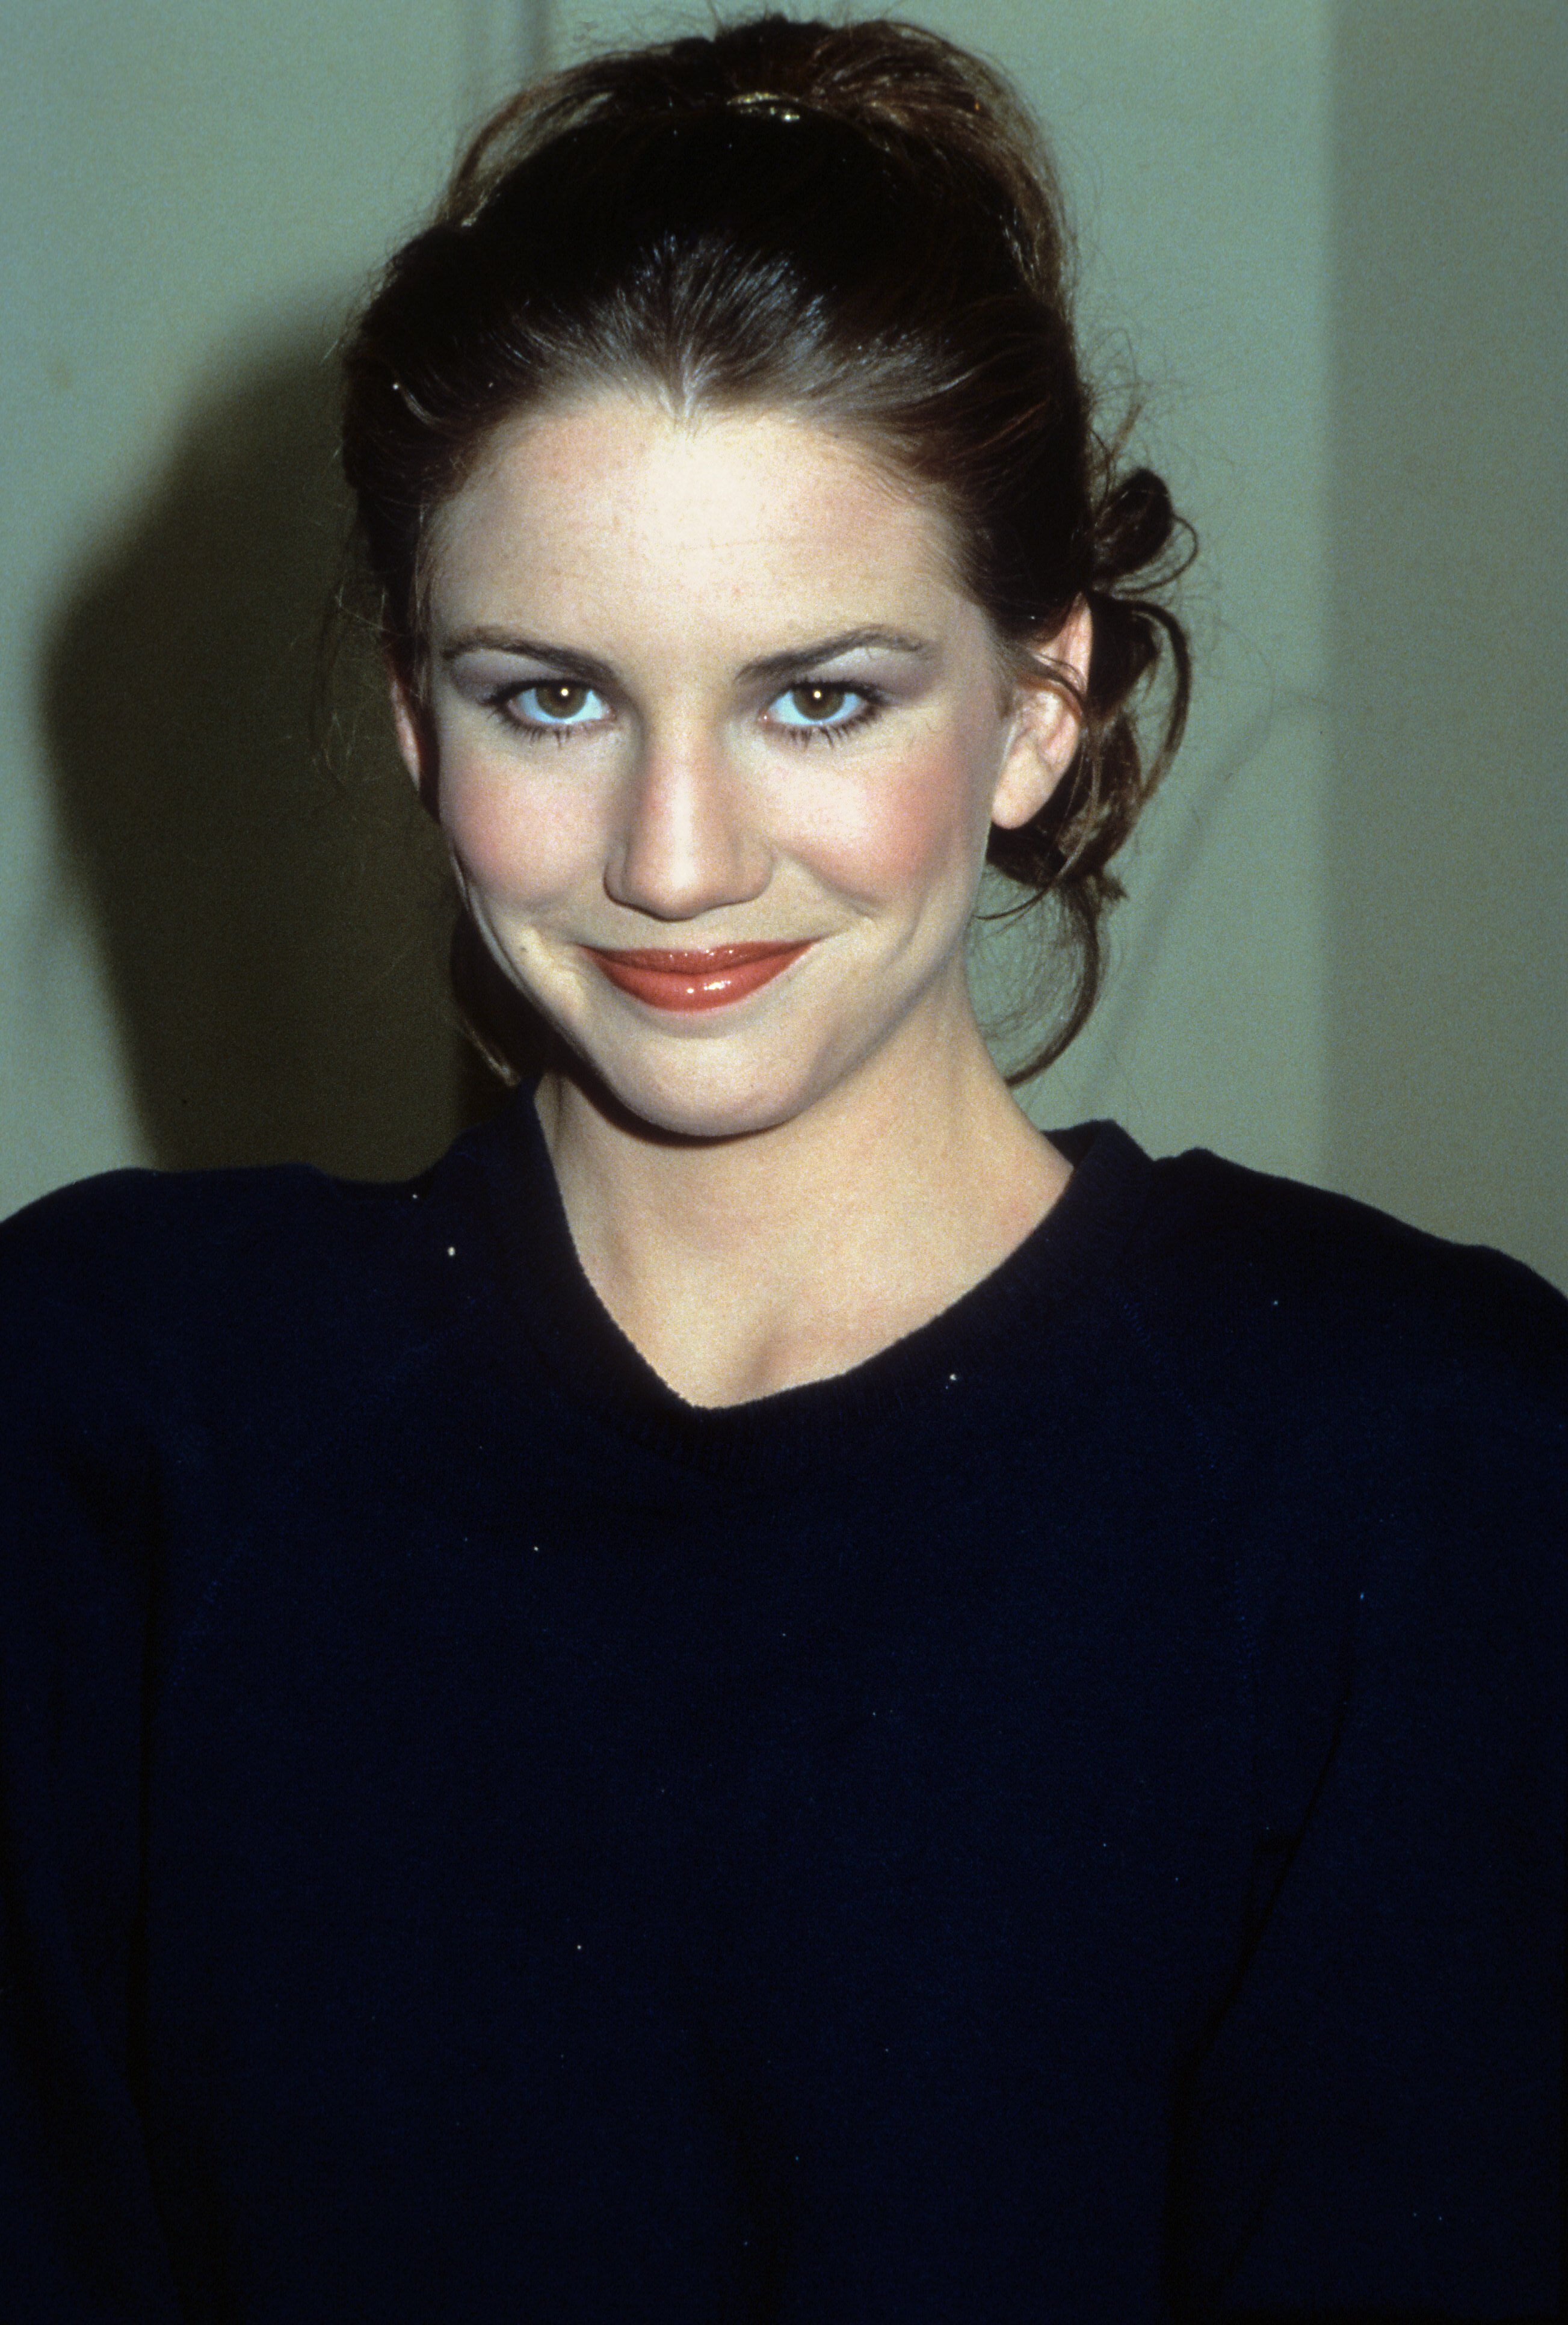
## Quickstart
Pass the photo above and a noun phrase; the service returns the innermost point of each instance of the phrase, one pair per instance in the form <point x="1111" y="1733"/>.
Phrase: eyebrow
<point x="592" y="671"/>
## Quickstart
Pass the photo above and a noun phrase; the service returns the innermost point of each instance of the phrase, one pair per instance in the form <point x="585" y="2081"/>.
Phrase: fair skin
<point x="703" y="681"/>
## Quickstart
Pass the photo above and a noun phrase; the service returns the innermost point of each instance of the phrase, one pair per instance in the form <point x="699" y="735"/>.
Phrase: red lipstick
<point x="695" y="980"/>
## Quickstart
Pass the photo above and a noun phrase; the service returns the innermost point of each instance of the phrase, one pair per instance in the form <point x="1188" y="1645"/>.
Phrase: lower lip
<point x="685" y="981"/>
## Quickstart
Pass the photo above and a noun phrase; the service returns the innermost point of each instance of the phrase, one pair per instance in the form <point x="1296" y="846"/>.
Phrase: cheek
<point x="917" y="823"/>
<point x="521" y="840"/>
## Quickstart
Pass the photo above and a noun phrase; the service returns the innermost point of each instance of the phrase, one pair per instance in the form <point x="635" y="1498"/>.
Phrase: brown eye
<point x="819" y="701"/>
<point x="560" y="699"/>
<point x="552" y="702"/>
<point x="812" y="707"/>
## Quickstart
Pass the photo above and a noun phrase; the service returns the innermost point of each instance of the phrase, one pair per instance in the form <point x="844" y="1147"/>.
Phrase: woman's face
<point x="718" y="743"/>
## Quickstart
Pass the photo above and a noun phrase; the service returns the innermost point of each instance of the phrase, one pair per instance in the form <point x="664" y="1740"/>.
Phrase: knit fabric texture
<point x="1064" y="1821"/>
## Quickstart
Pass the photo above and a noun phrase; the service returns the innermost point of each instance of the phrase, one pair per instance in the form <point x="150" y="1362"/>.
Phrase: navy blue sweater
<point x="1061" y="1823"/>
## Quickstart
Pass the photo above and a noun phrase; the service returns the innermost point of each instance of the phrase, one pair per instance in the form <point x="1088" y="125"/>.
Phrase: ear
<point x="1046" y="728"/>
<point x="415" y="741"/>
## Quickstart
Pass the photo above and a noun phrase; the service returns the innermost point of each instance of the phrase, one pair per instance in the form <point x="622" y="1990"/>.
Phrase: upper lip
<point x="684" y="962"/>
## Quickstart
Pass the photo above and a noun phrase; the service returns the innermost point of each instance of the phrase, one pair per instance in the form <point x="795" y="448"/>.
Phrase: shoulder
<point x="1329" y="1356"/>
<point x="1383" y="1420"/>
<point x="155" y="1286"/>
<point x="132" y="1213"/>
<point x="1348" y="1296"/>
<point x="152" y="1244"/>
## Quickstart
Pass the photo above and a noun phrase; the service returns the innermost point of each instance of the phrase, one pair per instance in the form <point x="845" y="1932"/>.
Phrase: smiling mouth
<point x="695" y="980"/>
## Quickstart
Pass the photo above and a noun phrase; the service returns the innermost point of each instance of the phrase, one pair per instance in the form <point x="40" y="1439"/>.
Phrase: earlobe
<point x="1047" y="727"/>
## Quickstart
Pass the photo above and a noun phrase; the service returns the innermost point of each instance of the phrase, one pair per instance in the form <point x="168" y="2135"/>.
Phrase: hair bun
<point x="1134" y="525"/>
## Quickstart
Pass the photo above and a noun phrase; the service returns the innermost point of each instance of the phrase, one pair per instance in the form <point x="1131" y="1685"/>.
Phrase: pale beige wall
<point x="206" y="955"/>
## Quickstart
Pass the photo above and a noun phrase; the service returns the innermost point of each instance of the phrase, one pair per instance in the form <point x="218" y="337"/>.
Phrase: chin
<point x="700" y="1094"/>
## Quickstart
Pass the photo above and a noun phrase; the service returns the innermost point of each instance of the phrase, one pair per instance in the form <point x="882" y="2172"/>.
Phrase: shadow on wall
<point x="1448" y="864"/>
<point x="274" y="934"/>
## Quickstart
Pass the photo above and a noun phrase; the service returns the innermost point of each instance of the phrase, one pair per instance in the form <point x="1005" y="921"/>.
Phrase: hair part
<point x="856" y="223"/>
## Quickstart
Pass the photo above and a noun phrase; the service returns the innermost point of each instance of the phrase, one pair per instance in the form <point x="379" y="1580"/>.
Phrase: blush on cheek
<point x="515" y="849"/>
<point x="907" y="826"/>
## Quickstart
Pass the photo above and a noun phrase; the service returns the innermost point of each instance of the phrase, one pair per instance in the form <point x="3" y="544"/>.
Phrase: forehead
<point x="614" y="505"/>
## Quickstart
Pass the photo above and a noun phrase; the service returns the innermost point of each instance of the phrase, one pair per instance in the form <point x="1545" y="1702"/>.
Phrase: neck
<point x="741" y="1265"/>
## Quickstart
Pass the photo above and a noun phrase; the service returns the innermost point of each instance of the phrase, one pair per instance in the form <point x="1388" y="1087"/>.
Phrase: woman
<point x="767" y="1696"/>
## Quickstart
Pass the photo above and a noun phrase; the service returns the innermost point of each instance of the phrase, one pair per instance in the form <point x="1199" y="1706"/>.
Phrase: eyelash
<point x="873" y="701"/>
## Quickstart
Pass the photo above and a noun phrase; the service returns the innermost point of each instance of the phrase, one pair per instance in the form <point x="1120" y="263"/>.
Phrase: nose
<point x="685" y="845"/>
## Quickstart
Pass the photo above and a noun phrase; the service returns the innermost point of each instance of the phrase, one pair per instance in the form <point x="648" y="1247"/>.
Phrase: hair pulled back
<point x="856" y="222"/>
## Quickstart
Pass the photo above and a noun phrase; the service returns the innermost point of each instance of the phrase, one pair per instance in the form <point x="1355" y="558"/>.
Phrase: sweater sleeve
<point x="1375" y="2128"/>
<point x="79" y="2234"/>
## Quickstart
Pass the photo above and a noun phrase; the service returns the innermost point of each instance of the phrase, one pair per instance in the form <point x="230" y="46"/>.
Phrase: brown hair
<point x="856" y="221"/>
